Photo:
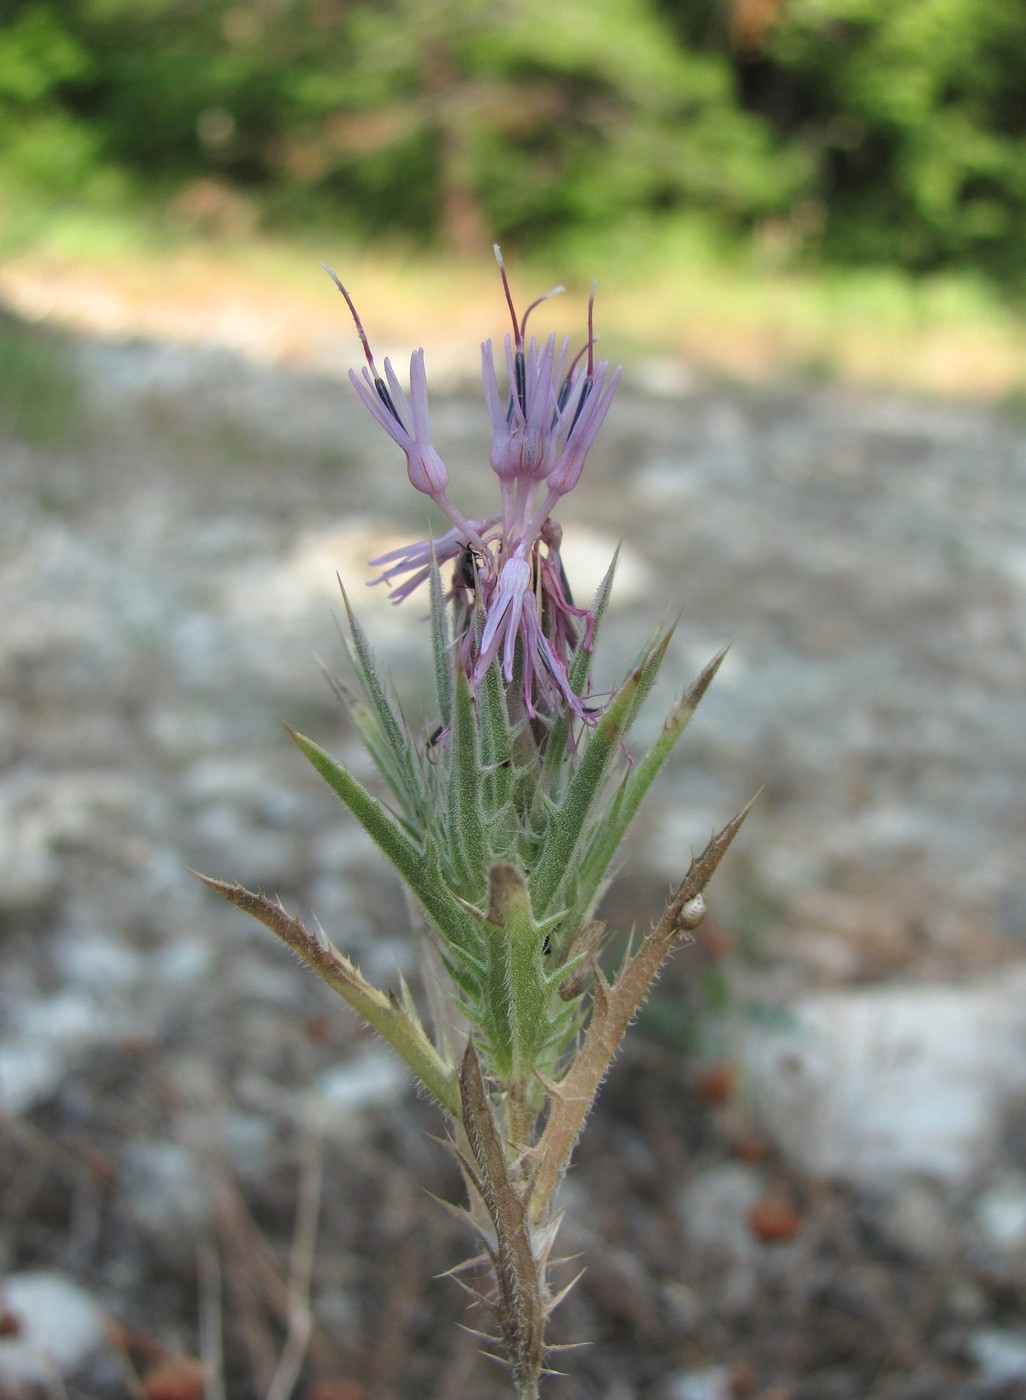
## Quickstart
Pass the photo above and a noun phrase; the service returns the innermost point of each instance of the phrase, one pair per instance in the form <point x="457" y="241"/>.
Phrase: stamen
<point x="519" y="368"/>
<point x="591" y="331"/>
<point x="586" y="349"/>
<point x="553" y="292"/>
<point x="361" y="333"/>
<point x="586" y="389"/>
<point x="565" y="387"/>
<point x="386" y="398"/>
<point x="589" y="378"/>
<point x="518" y="335"/>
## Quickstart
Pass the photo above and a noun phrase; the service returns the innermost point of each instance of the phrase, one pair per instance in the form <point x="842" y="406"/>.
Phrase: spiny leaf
<point x="370" y="732"/>
<point x="419" y="868"/>
<point x="703" y="867"/>
<point x="577" y="674"/>
<point x="440" y="642"/>
<point x="610" y="831"/>
<point x="514" y="992"/>
<point x="496" y="740"/>
<point x="393" y="730"/>
<point x="396" y="1025"/>
<point x="566" y="821"/>
<point x="379" y="824"/>
<point x="468" y="846"/>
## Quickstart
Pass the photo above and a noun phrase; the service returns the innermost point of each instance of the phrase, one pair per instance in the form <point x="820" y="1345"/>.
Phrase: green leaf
<point x="611" y="829"/>
<point x="441" y="645"/>
<point x="516" y="993"/>
<point x="579" y="669"/>
<point x="384" y="761"/>
<point x="401" y="773"/>
<point x="396" y="1022"/>
<point x="466" y="826"/>
<point x="580" y="663"/>
<point x="497" y="738"/>
<point x="419" y="868"/>
<point x="566" y="819"/>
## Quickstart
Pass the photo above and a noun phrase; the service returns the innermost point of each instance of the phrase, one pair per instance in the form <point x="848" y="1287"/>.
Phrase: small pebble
<point x="53" y="1328"/>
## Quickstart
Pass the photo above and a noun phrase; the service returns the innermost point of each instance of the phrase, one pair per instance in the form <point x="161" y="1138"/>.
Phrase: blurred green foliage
<point x="835" y="130"/>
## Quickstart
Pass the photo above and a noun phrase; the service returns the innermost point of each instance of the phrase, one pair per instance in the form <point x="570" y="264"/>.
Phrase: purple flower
<point x="589" y="400"/>
<point x="414" y="560"/>
<point x="513" y="616"/>
<point x="502" y="620"/>
<point x="543" y="426"/>
<point x="407" y="425"/>
<point x="410" y="428"/>
<point x="524" y="444"/>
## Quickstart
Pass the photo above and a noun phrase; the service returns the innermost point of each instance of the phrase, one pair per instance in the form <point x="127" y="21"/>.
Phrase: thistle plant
<point x="503" y="818"/>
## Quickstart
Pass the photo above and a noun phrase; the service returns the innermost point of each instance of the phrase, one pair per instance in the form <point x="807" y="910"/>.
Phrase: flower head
<point x="407" y="426"/>
<point x="405" y="421"/>
<point x="524" y="445"/>
<point x="544" y="423"/>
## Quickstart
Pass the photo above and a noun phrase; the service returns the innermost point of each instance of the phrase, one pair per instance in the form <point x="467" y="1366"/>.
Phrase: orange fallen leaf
<point x="716" y="1083"/>
<point x="750" y="1148"/>
<point x="179" y="1379"/>
<point x="744" y="1381"/>
<point x="336" y="1390"/>
<point x="773" y="1221"/>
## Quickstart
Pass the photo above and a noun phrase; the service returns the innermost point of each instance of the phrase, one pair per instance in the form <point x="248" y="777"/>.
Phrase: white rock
<point x="60" y="1327"/>
<point x="1000" y="1215"/>
<point x="1000" y="1355"/>
<point x="248" y="1142"/>
<point x="587" y="554"/>
<point x="48" y="1034"/>
<point x="663" y="377"/>
<point x="168" y="1188"/>
<point x="68" y="1018"/>
<point x="100" y="963"/>
<point x="28" y="1073"/>
<point x="28" y="867"/>
<point x="714" y="1208"/>
<point x="44" y="815"/>
<point x="711" y="1384"/>
<point x="374" y="1079"/>
<point x="183" y="960"/>
<point x="917" y="1222"/>
<point x="878" y="1084"/>
<point x="228" y="839"/>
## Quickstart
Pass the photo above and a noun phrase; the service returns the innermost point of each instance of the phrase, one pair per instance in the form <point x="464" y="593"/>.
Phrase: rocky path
<point x="168" y="576"/>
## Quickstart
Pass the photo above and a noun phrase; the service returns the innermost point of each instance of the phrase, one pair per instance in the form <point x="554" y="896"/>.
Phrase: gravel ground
<point x="175" y="1092"/>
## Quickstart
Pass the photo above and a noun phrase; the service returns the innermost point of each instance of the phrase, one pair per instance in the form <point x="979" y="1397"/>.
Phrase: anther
<point x="586" y="389"/>
<point x="386" y="398"/>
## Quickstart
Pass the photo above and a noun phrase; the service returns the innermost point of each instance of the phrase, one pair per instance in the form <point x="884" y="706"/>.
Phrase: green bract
<point x="504" y="829"/>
